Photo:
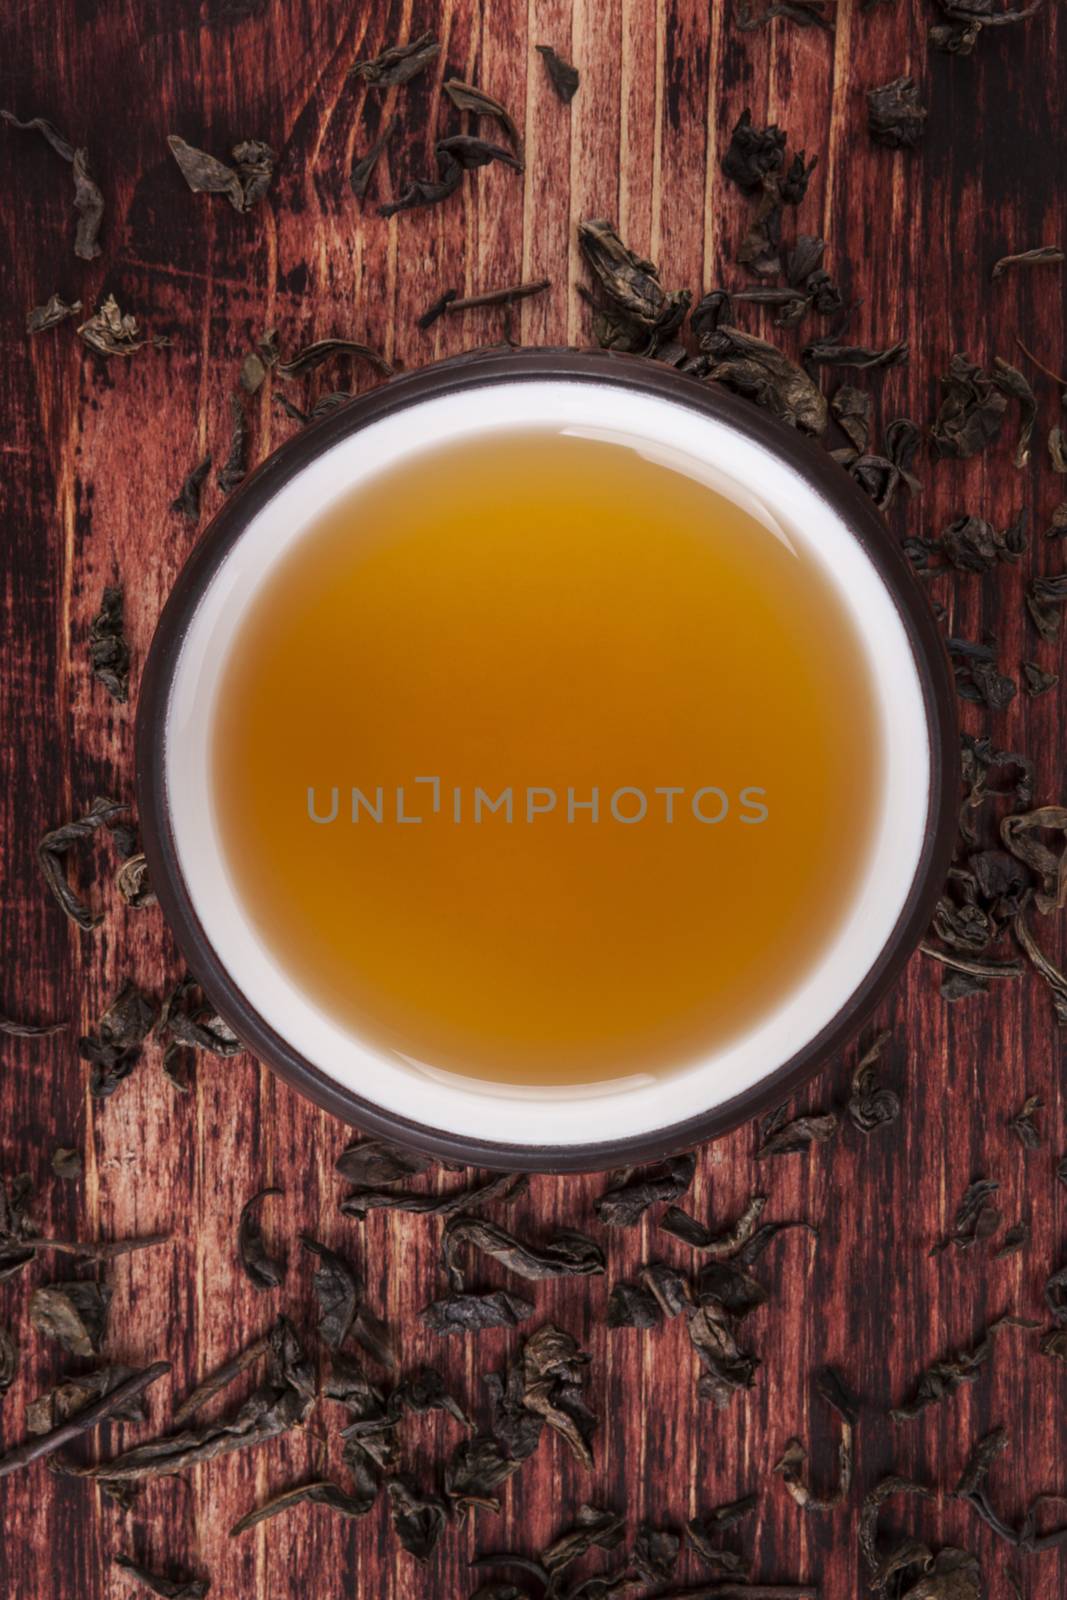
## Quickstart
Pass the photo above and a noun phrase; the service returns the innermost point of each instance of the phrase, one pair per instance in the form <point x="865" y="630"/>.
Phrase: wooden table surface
<point x="94" y="452"/>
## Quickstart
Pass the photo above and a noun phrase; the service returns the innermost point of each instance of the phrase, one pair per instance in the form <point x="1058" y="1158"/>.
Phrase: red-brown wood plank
<point x="93" y="455"/>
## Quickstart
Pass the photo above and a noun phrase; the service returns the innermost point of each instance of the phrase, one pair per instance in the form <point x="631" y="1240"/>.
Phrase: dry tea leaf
<point x="474" y="1470"/>
<point x="262" y="1270"/>
<point x="70" y="1397"/>
<point x="47" y="316"/>
<point x="11" y="1029"/>
<point x="965" y="20"/>
<point x="833" y="1389"/>
<point x="505" y="1187"/>
<point x="157" y="1584"/>
<point x="115" y="1048"/>
<point x="73" y="1313"/>
<point x="110" y="332"/>
<point x="399" y="63"/>
<point x="895" y="114"/>
<point x="565" y="1254"/>
<point x="312" y="356"/>
<point x="633" y="312"/>
<point x="363" y="168"/>
<point x="944" y="1376"/>
<point x="779" y="1137"/>
<point x="976" y="1217"/>
<point x="972" y="410"/>
<point x="716" y="1244"/>
<point x="1043" y="255"/>
<point x="235" y="468"/>
<point x="243" y="186"/>
<point x="1010" y="381"/>
<point x="418" y="1519"/>
<point x="187" y="501"/>
<point x="374" y="1162"/>
<point x="553" y="1366"/>
<point x="562" y="76"/>
<point x="467" y="97"/>
<point x="88" y="201"/>
<point x="625" y="1202"/>
<point x="1045" y="599"/>
<point x="472" y="1313"/>
<point x="337" y="1292"/>
<point x="869" y="1105"/>
<point x="109" y="652"/>
<point x="592" y="1527"/>
<point x="655" y="1553"/>
<point x="760" y="372"/>
<point x="1023" y="1125"/>
<point x="1045" y="969"/>
<point x="1018" y="832"/>
<point x="632" y="1305"/>
<point x="320" y="1493"/>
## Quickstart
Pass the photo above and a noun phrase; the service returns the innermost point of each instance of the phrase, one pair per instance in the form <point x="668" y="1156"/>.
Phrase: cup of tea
<point x="547" y="760"/>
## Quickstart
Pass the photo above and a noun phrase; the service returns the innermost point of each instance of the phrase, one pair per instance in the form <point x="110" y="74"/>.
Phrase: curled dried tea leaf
<point x="1023" y="1125"/>
<point x="760" y="372"/>
<point x="971" y="544"/>
<point x="978" y="676"/>
<point x="831" y="1386"/>
<point x="943" y="1377"/>
<point x="474" y="1471"/>
<point x="88" y="201"/>
<point x="726" y="1367"/>
<point x="871" y="1106"/>
<point x="363" y="168"/>
<point x="109" y="652"/>
<point x="976" y="1217"/>
<point x="188" y="1018"/>
<point x="336" y="1290"/>
<point x="972" y="409"/>
<point x="1042" y="255"/>
<point x="280" y="1403"/>
<point x="73" y="1313"/>
<point x="565" y="1254"/>
<point x="9" y="1359"/>
<point x="1045" y="599"/>
<point x="467" y="97"/>
<point x="374" y="1162"/>
<point x="655" y="1552"/>
<point x="1010" y="381"/>
<point x="830" y="353"/>
<point x="852" y="411"/>
<point x="633" y="310"/>
<point x="702" y="1530"/>
<point x="592" y="1526"/>
<point x="872" y="1505"/>
<point x="312" y="356"/>
<point x="562" y="76"/>
<point x="319" y="1493"/>
<point x="102" y="1410"/>
<point x="71" y="1397"/>
<point x="721" y="1244"/>
<point x="55" y="310"/>
<point x="471" y="1313"/>
<point x="115" y="1048"/>
<point x="243" y="186"/>
<point x="111" y="332"/>
<point x="159" y="1584"/>
<point x="1019" y="830"/>
<point x="399" y="63"/>
<point x="187" y="501"/>
<point x="418" y="1519"/>
<point x="504" y="1186"/>
<point x="553" y="1364"/>
<point x="262" y="1269"/>
<point x="895" y="114"/>
<point x="631" y="1305"/>
<point x="515" y="1428"/>
<point x="780" y="1137"/>
<point x="12" y="1029"/>
<point x="965" y="20"/>
<point x="235" y="467"/>
<point x="625" y="1201"/>
<point x="134" y="883"/>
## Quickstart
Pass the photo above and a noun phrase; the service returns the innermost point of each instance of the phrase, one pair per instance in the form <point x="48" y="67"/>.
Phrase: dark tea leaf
<point x="1045" y="600"/>
<point x="399" y="63"/>
<point x="978" y="677"/>
<point x="780" y="1137"/>
<point x="804" y="13"/>
<point x="70" y="1397"/>
<point x="760" y="372"/>
<point x="53" y="311"/>
<point x="319" y="1493"/>
<point x="471" y="1313"/>
<point x="562" y="76"/>
<point x="374" y="1162"/>
<point x="702" y="1532"/>
<point x="631" y="1305"/>
<point x="242" y="185"/>
<point x="111" y="332"/>
<point x="282" y="1402"/>
<point x="337" y="1293"/>
<point x="655" y="1553"/>
<point x="235" y="467"/>
<point x="895" y="114"/>
<point x="115" y="1048"/>
<point x="312" y="356"/>
<point x="944" y="1376"/>
<point x="188" y="1019"/>
<point x="67" y="1163"/>
<point x="592" y="1526"/>
<point x="10" y="1029"/>
<point x="871" y="1106"/>
<point x="1018" y="832"/>
<point x="418" y="1519"/>
<point x="625" y="1202"/>
<point x="259" y="1267"/>
<point x="1045" y="969"/>
<point x="88" y="201"/>
<point x="505" y="1187"/>
<point x="1010" y="381"/>
<point x="965" y="20"/>
<point x="830" y="353"/>
<point x="1023" y="1125"/>
<point x="566" y="1254"/>
<point x="1043" y="255"/>
<point x="187" y="501"/>
<point x="474" y="1471"/>
<point x="976" y="1217"/>
<point x="972" y="410"/>
<point x="831" y="1386"/>
<point x="73" y="1313"/>
<point x="1016" y="1239"/>
<point x="634" y="312"/>
<point x="134" y="883"/>
<point x="719" y="1244"/>
<point x="109" y="653"/>
<point x="156" y="1583"/>
<point x="553" y="1366"/>
<point x="467" y="97"/>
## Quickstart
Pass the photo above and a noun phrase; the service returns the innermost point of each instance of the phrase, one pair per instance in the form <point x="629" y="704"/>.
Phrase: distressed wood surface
<point x="94" y="453"/>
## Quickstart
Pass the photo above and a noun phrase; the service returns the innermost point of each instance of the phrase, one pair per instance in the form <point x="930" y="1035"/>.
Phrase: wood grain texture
<point x="93" y="455"/>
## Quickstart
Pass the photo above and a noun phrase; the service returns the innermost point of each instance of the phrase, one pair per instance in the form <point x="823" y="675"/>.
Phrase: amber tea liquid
<point x="539" y="761"/>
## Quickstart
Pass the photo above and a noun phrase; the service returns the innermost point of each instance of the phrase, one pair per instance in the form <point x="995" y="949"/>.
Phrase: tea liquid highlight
<point x="655" y="745"/>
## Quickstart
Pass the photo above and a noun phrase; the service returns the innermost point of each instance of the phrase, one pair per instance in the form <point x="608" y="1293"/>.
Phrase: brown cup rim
<point x="446" y="377"/>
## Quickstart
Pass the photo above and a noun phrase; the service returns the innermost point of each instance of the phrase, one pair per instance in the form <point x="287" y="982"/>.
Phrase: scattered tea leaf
<point x="944" y="1376"/>
<point x="337" y="1292"/>
<point x="73" y="1313"/>
<point x="399" y="63"/>
<point x="504" y="1187"/>
<point x="553" y="1365"/>
<point x="869" y="1105"/>
<point x="11" y="1029"/>
<point x="475" y="1469"/>
<point x="632" y="310"/>
<point x="259" y="1267"/>
<point x="565" y="1254"/>
<point x="235" y="468"/>
<point x="780" y="1137"/>
<point x="1045" y="969"/>
<point x="1016" y="1239"/>
<point x="896" y="115"/>
<point x="242" y="185"/>
<point x="156" y="1583"/>
<point x="319" y="1493"/>
<point x="418" y="1519"/>
<point x="972" y="410"/>
<point x="88" y="201"/>
<point x="976" y="1217"/>
<point x="831" y="1386"/>
<point x="760" y="372"/>
<point x="312" y="356"/>
<point x="115" y="1048"/>
<point x="53" y="311"/>
<point x="187" y="501"/>
<point x="467" y="97"/>
<point x="720" y="1244"/>
<point x="1023" y="1125"/>
<point x="67" y="1163"/>
<point x="374" y="1162"/>
<point x="655" y="1553"/>
<point x="1045" y="599"/>
<point x="562" y="76"/>
<point x="109" y="652"/>
<point x="71" y="1396"/>
<point x="625" y="1201"/>
<point x="363" y="168"/>
<point x="471" y="1313"/>
<point x="1046" y="254"/>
